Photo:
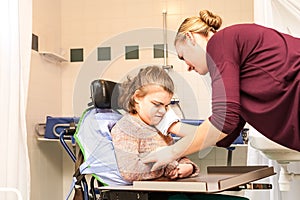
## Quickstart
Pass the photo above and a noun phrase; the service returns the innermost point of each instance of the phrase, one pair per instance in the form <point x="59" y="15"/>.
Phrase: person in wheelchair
<point x="145" y="98"/>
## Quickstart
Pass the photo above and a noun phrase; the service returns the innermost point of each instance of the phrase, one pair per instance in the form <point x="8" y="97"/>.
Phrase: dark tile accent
<point x="76" y="55"/>
<point x="131" y="52"/>
<point x="104" y="53"/>
<point x="158" y="51"/>
<point x="35" y="42"/>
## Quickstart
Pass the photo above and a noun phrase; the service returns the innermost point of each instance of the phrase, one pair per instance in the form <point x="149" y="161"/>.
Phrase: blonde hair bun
<point x="210" y="19"/>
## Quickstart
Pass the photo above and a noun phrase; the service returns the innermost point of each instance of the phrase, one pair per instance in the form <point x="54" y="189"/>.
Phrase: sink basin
<point x="282" y="155"/>
<point x="273" y="150"/>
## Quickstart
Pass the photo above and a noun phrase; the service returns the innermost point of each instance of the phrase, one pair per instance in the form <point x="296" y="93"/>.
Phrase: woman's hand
<point x="160" y="157"/>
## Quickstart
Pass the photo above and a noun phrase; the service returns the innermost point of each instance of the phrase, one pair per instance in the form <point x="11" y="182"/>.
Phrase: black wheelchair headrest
<point x="105" y="94"/>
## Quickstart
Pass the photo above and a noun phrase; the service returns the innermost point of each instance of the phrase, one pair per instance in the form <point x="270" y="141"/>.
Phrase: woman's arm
<point x="182" y="129"/>
<point x="195" y="138"/>
<point x="204" y="135"/>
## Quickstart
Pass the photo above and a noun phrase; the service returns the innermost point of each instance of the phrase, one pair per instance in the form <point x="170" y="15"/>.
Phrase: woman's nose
<point x="190" y="67"/>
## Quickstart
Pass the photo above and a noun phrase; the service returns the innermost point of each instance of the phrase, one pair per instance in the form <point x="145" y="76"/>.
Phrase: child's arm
<point x="184" y="168"/>
<point x="128" y="158"/>
<point x="187" y="168"/>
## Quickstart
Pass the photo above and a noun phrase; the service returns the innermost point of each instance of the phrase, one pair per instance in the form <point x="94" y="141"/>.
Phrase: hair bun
<point x="210" y="19"/>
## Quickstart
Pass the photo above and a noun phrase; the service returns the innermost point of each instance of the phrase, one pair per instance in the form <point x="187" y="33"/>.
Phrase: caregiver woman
<point x="255" y="79"/>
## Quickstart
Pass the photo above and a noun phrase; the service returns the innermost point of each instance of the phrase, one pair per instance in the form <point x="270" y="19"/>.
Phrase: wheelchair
<point x="92" y="136"/>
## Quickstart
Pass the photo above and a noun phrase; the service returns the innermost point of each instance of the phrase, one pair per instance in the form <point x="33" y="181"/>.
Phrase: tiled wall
<point x="93" y="24"/>
<point x="87" y="26"/>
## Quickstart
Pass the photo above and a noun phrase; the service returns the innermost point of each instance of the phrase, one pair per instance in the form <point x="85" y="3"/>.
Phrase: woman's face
<point x="193" y="51"/>
<point x="152" y="107"/>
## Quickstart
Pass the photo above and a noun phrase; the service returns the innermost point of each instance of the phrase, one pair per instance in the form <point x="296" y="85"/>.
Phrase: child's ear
<point x="137" y="96"/>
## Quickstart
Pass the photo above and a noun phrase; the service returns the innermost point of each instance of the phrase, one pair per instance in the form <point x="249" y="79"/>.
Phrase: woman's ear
<point x="190" y="37"/>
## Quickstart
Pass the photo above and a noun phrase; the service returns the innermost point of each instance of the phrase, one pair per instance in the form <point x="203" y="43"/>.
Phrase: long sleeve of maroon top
<point x="255" y="79"/>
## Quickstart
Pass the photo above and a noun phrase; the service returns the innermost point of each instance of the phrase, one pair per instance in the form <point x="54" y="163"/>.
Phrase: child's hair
<point x="151" y="75"/>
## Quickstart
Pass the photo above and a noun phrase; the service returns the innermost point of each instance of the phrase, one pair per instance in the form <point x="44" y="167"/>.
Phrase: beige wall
<point x="44" y="98"/>
<point x="65" y="24"/>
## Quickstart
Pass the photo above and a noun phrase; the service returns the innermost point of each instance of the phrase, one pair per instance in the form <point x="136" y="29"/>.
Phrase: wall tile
<point x="76" y="55"/>
<point x="104" y="53"/>
<point x="131" y="52"/>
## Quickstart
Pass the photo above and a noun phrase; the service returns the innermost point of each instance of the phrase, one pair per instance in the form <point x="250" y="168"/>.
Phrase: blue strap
<point x="71" y="187"/>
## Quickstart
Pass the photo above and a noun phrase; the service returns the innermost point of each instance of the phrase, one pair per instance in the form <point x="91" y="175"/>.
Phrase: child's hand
<point x="173" y="174"/>
<point x="181" y="171"/>
<point x="184" y="170"/>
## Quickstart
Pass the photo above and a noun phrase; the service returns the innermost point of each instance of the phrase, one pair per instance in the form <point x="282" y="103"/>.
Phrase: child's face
<point x="152" y="107"/>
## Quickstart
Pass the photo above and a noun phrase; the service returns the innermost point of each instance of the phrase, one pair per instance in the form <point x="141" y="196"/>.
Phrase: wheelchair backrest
<point x="93" y="133"/>
<point x="105" y="94"/>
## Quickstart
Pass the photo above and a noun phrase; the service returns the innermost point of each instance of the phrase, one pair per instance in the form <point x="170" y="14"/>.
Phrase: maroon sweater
<point x="255" y="79"/>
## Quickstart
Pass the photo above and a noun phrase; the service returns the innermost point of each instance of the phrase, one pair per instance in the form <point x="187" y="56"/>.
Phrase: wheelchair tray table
<point x="217" y="179"/>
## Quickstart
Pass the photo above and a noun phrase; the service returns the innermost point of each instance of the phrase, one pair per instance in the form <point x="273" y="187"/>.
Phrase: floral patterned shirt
<point x="133" y="139"/>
